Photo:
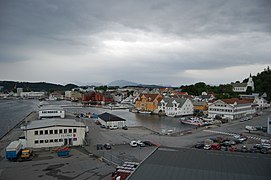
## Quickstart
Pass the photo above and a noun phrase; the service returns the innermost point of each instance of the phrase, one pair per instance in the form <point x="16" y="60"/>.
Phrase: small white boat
<point x="192" y="121"/>
<point x="144" y="112"/>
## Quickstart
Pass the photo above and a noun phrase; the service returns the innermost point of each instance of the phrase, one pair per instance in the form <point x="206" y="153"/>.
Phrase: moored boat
<point x="192" y="121"/>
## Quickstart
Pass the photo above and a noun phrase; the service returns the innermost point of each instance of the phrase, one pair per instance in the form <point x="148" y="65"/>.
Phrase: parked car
<point x="215" y="146"/>
<point x="199" y="145"/>
<point x="125" y="127"/>
<point x="244" y="149"/>
<point x="253" y="150"/>
<point x="107" y="146"/>
<point x="133" y="143"/>
<point x="99" y="147"/>
<point x="148" y="143"/>
<point x="264" y="151"/>
<point x="232" y="149"/>
<point x="102" y="126"/>
<point x="224" y="148"/>
<point x="207" y="147"/>
<point x="140" y="143"/>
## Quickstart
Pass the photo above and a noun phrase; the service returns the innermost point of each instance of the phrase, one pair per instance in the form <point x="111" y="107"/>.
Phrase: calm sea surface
<point x="13" y="111"/>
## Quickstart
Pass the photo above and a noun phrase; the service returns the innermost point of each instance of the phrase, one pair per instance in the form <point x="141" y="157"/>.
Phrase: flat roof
<point x="195" y="164"/>
<point x="110" y="117"/>
<point x="50" y="107"/>
<point x="44" y="123"/>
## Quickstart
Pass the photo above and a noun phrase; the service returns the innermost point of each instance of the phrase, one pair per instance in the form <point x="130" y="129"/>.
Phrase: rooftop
<point x="110" y="117"/>
<point x="53" y="122"/>
<point x="194" y="164"/>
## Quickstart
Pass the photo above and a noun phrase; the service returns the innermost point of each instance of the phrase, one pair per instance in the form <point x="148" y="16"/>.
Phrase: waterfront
<point x="14" y="111"/>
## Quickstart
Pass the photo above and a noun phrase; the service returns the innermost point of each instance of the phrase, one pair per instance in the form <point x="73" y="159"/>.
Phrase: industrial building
<point x="51" y="111"/>
<point x="54" y="133"/>
<point x="111" y="121"/>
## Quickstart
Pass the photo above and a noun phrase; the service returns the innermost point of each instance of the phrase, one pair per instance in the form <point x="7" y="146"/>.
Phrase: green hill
<point x="37" y="86"/>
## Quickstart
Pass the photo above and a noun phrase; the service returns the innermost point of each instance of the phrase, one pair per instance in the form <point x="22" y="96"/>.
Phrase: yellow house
<point x="148" y="102"/>
<point x="200" y="106"/>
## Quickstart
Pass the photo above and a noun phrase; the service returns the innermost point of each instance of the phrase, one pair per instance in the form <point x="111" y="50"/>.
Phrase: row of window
<point x="221" y="110"/>
<point x="44" y="112"/>
<point x="55" y="131"/>
<point x="41" y="141"/>
<point x="221" y="105"/>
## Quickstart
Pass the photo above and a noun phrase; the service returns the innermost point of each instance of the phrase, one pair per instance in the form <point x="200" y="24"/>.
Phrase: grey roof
<point x="195" y="164"/>
<point x="239" y="85"/>
<point x="50" y="107"/>
<point x="169" y="101"/>
<point x="199" y="103"/>
<point x="54" y="122"/>
<point x="110" y="117"/>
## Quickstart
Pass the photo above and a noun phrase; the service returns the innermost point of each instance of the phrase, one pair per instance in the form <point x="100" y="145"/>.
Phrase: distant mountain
<point x="122" y="83"/>
<point x="35" y="86"/>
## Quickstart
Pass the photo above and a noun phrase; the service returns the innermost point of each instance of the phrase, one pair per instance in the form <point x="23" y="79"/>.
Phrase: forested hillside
<point x="39" y="86"/>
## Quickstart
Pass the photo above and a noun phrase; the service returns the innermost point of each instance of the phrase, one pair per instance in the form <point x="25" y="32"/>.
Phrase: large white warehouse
<point x="54" y="132"/>
<point x="51" y="111"/>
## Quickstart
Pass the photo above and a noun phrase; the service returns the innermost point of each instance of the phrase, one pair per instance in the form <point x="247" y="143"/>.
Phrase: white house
<point x="32" y="94"/>
<point x="111" y="121"/>
<point x="260" y="101"/>
<point x="51" y="111"/>
<point x="242" y="87"/>
<point x="231" y="108"/>
<point x="54" y="133"/>
<point x="176" y="106"/>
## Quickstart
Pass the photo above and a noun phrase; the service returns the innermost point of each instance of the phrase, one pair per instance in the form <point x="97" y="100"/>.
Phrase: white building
<point x="111" y="121"/>
<point x="231" y="108"/>
<point x="32" y="94"/>
<point x="54" y="133"/>
<point x="242" y="87"/>
<point x="176" y="106"/>
<point x="261" y="102"/>
<point x="51" y="111"/>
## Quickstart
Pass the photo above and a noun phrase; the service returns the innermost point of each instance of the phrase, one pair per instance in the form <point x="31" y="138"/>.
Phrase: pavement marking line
<point x="232" y="134"/>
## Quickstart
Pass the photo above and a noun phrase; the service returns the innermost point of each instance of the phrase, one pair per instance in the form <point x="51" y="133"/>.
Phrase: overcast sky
<point x="169" y="42"/>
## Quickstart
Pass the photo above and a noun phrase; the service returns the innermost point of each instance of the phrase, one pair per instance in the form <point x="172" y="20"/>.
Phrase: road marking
<point x="232" y="134"/>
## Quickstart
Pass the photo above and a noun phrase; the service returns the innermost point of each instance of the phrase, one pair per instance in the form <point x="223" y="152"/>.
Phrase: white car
<point x="133" y="143"/>
<point x="207" y="147"/>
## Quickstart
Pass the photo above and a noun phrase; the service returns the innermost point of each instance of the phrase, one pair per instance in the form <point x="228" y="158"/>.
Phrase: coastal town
<point x="82" y="123"/>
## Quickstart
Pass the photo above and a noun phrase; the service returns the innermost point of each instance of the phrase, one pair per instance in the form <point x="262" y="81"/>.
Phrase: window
<point x="56" y="131"/>
<point x="60" y="131"/>
<point x="51" y="140"/>
<point x="74" y="130"/>
<point x="60" y="140"/>
<point x="51" y="131"/>
<point x="36" y="142"/>
<point x="70" y="130"/>
<point x="56" y="140"/>
<point x="46" y="141"/>
<point x="74" y="139"/>
<point x="65" y="130"/>
<point x="41" y="141"/>
<point x="36" y="132"/>
<point x="46" y="132"/>
<point x="41" y="132"/>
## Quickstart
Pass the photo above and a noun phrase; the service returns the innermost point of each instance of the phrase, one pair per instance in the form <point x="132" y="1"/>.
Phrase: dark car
<point x="253" y="150"/>
<point x="102" y="126"/>
<point x="199" y="145"/>
<point x="99" y="147"/>
<point x="148" y="143"/>
<point x="125" y="127"/>
<point x="107" y="146"/>
<point x="224" y="148"/>
<point x="264" y="151"/>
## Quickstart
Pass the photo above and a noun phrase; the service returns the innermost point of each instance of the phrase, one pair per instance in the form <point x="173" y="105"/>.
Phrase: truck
<point x="13" y="150"/>
<point x="26" y="154"/>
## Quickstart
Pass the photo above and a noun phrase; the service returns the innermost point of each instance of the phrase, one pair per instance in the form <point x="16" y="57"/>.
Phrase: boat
<point x="144" y="112"/>
<point x="192" y="121"/>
